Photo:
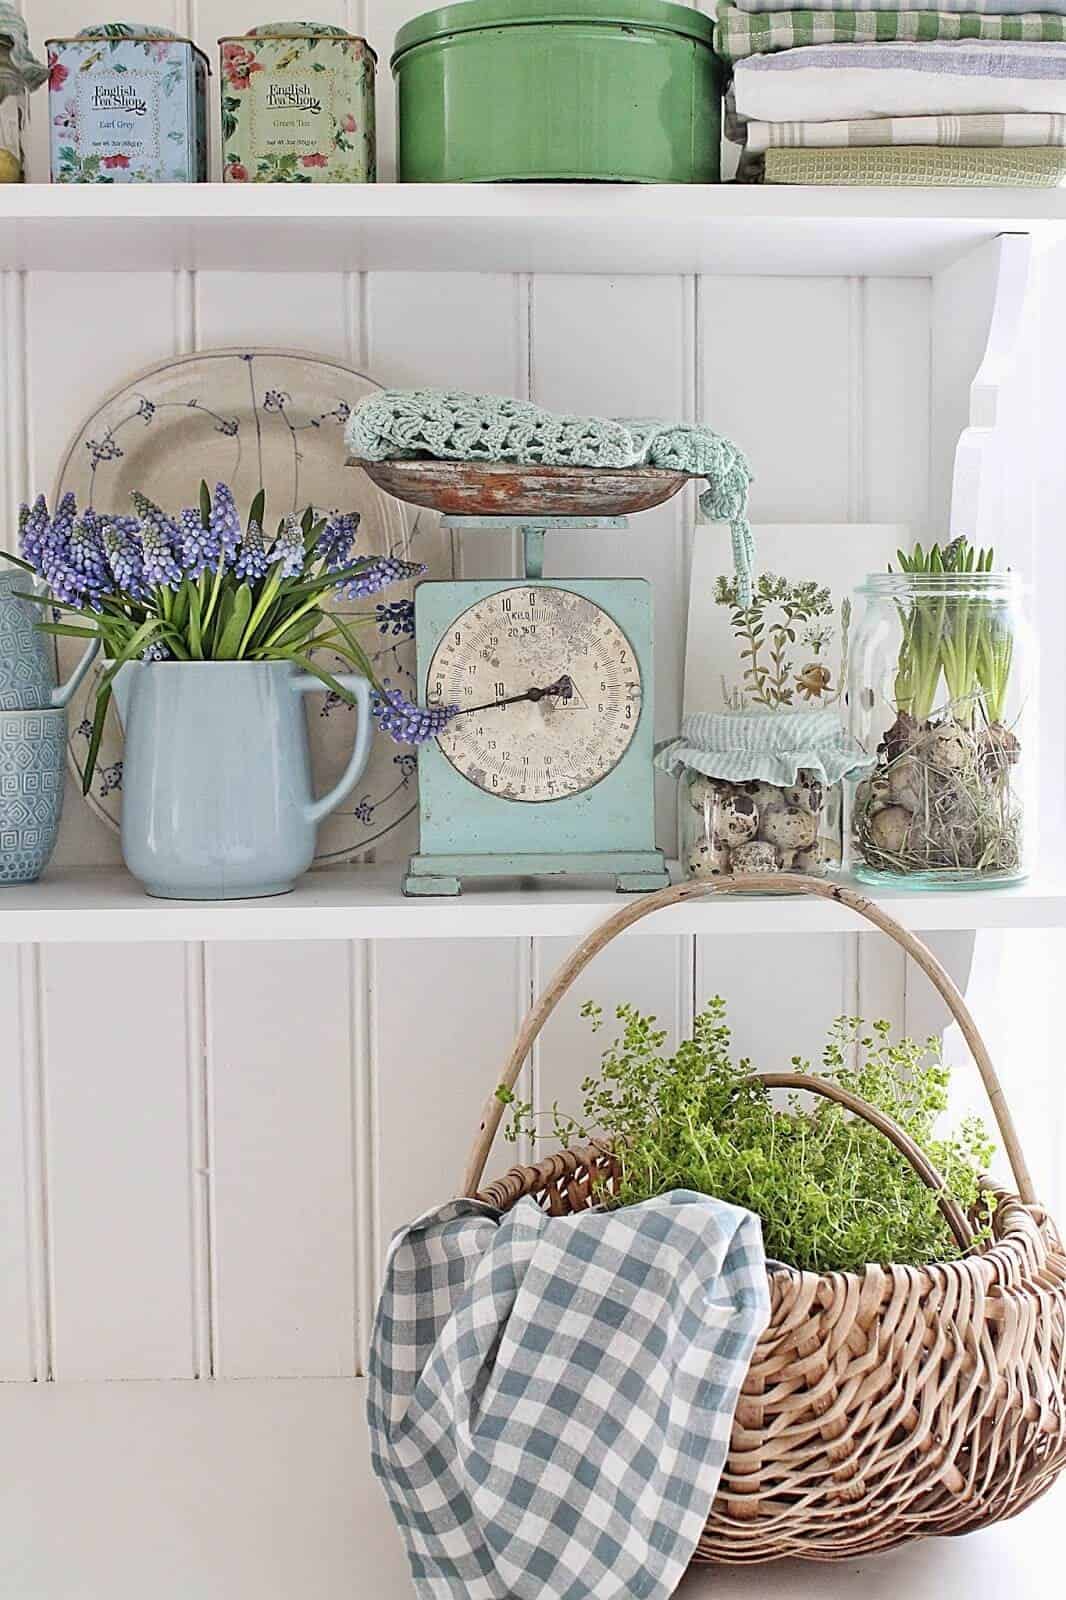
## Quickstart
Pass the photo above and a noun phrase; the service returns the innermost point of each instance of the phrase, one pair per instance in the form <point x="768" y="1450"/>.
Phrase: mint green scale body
<point x="563" y="787"/>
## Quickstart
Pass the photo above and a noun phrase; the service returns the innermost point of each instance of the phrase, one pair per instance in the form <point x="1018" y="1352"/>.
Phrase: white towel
<point x="838" y="83"/>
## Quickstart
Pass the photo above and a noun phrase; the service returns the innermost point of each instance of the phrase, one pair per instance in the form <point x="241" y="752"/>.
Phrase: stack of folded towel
<point x="897" y="92"/>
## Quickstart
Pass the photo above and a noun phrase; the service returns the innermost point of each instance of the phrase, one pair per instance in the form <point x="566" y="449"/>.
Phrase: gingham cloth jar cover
<point x="771" y="746"/>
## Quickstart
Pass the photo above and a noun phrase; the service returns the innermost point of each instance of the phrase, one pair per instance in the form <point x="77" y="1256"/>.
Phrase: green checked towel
<point x="920" y="166"/>
<point x="746" y="33"/>
<point x="448" y="425"/>
<point x="551" y="1399"/>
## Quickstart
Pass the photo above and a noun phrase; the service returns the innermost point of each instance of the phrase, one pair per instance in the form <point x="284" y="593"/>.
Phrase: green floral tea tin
<point x="297" y="105"/>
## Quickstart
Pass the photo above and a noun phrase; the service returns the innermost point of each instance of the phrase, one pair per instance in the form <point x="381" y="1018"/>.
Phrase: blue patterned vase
<point x="27" y="670"/>
<point x="33" y="749"/>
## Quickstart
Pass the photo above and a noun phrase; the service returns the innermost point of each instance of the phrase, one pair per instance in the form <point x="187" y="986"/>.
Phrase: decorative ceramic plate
<point x="272" y="419"/>
<point x="496" y="489"/>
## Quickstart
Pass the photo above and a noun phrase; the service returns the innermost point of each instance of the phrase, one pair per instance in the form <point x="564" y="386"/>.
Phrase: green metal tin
<point x="586" y="90"/>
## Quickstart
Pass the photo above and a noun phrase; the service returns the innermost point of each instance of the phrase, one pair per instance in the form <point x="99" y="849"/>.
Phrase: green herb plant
<point x="832" y="1192"/>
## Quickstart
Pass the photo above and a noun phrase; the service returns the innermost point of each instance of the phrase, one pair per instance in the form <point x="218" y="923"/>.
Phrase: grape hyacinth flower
<point x="408" y="723"/>
<point x="337" y="541"/>
<point x="225" y="524"/>
<point x="161" y="570"/>
<point x="151" y="514"/>
<point x="199" y="547"/>
<point x="289" y="548"/>
<point x="378" y="576"/>
<point x="125" y="560"/>
<point x="253" y="562"/>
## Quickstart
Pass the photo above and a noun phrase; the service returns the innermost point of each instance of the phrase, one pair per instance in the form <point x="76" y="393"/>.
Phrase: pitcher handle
<point x="307" y="683"/>
<point x="62" y="695"/>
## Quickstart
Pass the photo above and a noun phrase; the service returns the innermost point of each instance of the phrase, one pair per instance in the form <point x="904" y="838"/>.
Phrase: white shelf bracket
<point x="976" y="489"/>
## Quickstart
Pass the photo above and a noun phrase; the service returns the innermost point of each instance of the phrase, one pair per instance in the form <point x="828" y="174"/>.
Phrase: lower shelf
<point x="105" y="905"/>
<point x="262" y="1490"/>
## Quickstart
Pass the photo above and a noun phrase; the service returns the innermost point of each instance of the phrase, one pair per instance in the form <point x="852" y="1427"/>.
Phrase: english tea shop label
<point x="120" y="117"/>
<point x="292" y="113"/>
<point x="118" y="97"/>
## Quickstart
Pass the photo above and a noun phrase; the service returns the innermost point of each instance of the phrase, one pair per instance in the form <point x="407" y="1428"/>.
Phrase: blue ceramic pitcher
<point x="216" y="794"/>
<point x="27" y="670"/>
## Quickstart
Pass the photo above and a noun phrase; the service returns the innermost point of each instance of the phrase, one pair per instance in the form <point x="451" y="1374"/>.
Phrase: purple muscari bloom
<point x="407" y="723"/>
<point x="199" y="547"/>
<point x="34" y="528"/>
<point x="225" y="524"/>
<point x="166" y="528"/>
<point x="378" y="576"/>
<point x="337" y="540"/>
<point x="125" y="560"/>
<point x="398" y="617"/>
<point x="161" y="571"/>
<point x="252" y="563"/>
<point x="156" y="652"/>
<point x="289" y="548"/>
<point x="85" y="556"/>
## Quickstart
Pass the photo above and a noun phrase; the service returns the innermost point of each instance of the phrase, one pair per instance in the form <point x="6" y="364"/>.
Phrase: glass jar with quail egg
<point x="941" y="672"/>
<point x="760" y="792"/>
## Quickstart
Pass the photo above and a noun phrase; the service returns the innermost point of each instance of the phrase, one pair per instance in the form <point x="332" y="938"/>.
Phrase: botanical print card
<point x="789" y="648"/>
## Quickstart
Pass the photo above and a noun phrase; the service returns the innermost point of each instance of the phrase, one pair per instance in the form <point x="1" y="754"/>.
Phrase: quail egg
<point x="905" y="783"/>
<point x="707" y="859"/>
<point x="889" y="829"/>
<point x="808" y="792"/>
<point x="755" y="856"/>
<point x="790" y="829"/>
<point x="736" y="819"/>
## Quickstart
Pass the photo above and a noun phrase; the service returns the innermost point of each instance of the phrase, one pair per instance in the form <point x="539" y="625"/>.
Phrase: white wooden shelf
<point x="106" y="905"/>
<point x="601" y="228"/>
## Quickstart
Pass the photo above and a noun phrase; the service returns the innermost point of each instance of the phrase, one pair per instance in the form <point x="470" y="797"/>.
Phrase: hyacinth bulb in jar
<point x="942" y="674"/>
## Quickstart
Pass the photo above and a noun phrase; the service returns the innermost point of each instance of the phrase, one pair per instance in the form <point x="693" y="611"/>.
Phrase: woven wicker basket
<point x="884" y="1405"/>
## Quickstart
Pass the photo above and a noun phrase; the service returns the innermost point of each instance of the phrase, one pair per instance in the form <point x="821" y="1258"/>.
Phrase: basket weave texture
<point x="880" y="1406"/>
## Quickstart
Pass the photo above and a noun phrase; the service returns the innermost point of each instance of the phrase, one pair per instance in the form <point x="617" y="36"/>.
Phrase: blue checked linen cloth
<point x="551" y="1398"/>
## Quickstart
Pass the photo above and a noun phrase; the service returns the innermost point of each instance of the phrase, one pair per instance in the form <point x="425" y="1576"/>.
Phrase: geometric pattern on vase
<point x="32" y="775"/>
<point x="26" y="674"/>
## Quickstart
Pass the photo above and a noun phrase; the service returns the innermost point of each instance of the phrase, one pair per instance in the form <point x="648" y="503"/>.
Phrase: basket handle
<point x="762" y="883"/>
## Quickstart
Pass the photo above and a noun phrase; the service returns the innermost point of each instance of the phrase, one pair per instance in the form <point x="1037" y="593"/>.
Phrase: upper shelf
<point x="601" y="228"/>
<point x="105" y="905"/>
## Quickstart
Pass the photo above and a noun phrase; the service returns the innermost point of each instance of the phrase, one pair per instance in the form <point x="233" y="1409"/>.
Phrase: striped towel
<point x="746" y="33"/>
<point x="838" y="83"/>
<point x="994" y="8"/>
<point x="920" y="166"/>
<point x="1012" y="131"/>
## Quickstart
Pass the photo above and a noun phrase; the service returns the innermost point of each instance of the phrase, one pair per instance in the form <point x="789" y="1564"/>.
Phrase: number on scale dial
<point x="573" y="682"/>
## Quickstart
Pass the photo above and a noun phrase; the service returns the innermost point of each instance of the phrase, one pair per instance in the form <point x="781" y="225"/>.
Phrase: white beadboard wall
<point x="205" y="1149"/>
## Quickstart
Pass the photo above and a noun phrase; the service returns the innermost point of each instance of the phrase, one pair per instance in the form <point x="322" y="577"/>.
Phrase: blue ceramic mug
<point x="27" y="670"/>
<point x="33" y="751"/>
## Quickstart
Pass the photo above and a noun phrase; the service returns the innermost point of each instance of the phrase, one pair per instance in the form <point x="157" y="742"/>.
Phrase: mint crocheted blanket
<point x="407" y="424"/>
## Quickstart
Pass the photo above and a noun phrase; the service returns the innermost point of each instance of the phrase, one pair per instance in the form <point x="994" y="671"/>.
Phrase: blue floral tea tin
<point x="128" y="104"/>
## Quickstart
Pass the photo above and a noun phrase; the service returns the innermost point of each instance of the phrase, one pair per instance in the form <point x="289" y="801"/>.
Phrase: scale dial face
<point x="555" y="744"/>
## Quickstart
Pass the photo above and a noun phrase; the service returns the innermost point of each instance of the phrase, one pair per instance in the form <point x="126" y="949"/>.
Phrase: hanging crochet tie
<point x="407" y="424"/>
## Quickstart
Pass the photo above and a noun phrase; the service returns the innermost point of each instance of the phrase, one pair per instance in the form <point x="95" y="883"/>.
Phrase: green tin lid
<point x="470" y="15"/>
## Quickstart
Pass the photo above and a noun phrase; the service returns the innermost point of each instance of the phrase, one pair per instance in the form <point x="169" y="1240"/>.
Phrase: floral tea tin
<point x="128" y="104"/>
<point x="297" y="105"/>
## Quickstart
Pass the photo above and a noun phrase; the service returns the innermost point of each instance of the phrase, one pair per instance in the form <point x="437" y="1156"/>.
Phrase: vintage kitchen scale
<point x="547" y="770"/>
